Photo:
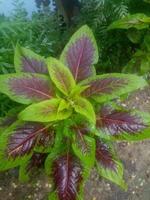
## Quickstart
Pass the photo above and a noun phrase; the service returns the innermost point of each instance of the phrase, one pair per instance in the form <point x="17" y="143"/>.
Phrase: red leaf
<point x="67" y="177"/>
<point x="32" y="87"/>
<point x="33" y="66"/>
<point x="46" y="139"/>
<point x="104" y="86"/>
<point x="80" y="129"/>
<point x="37" y="160"/>
<point x="104" y="155"/>
<point x="81" y="53"/>
<point x="80" y="58"/>
<point x="24" y="138"/>
<point x="117" y="122"/>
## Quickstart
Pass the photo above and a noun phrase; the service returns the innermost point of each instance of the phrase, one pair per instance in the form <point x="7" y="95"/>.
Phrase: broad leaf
<point x="85" y="108"/>
<point x="108" y="166"/>
<point x="84" y="146"/>
<point x="123" y="125"/>
<point x="147" y="1"/>
<point x="81" y="53"/>
<point x="139" y="63"/>
<point x="24" y="138"/>
<point x="138" y="21"/>
<point x="26" y="88"/>
<point x="27" y="61"/>
<point x="110" y="86"/>
<point x="17" y="143"/>
<point x="134" y="35"/>
<point x="45" y="111"/>
<point x="61" y="76"/>
<point x="67" y="177"/>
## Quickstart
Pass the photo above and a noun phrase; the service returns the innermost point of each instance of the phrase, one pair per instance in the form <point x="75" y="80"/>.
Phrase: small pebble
<point x="14" y="185"/>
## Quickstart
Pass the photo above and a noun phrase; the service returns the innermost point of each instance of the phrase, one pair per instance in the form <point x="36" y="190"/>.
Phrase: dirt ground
<point x="135" y="157"/>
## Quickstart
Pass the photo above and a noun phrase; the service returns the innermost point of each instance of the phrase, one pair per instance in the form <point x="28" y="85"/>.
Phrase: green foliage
<point x="64" y="123"/>
<point x="138" y="33"/>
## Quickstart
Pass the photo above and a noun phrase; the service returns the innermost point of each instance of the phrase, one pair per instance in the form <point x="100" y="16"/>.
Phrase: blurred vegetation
<point x="46" y="32"/>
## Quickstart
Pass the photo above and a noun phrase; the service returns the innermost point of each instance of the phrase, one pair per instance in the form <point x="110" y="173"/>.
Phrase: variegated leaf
<point x="61" y="76"/>
<point x="67" y="177"/>
<point x="109" y="86"/>
<point x="81" y="53"/>
<point x="46" y="111"/>
<point x="27" y="61"/>
<point x="108" y="165"/>
<point x="26" y="88"/>
<point x="124" y="125"/>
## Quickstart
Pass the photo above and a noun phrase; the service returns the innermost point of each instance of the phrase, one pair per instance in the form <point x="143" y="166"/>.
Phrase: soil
<point x="135" y="157"/>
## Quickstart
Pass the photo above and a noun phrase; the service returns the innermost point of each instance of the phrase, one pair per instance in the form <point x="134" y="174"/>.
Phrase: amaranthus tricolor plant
<point x="69" y="119"/>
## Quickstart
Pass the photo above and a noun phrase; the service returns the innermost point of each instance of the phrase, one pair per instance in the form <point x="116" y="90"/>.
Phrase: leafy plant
<point x="137" y="27"/>
<point x="68" y="120"/>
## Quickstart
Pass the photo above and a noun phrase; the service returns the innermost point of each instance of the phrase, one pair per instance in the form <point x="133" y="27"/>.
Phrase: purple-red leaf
<point x="28" y="61"/>
<point x="104" y="86"/>
<point x="26" y="88"/>
<point x="110" y="86"/>
<point x="67" y="177"/>
<point x="24" y="138"/>
<point x="104" y="155"/>
<point x="37" y="160"/>
<point x="81" y="54"/>
<point x="34" y="66"/>
<point x="46" y="139"/>
<point x="116" y="122"/>
<point x="107" y="163"/>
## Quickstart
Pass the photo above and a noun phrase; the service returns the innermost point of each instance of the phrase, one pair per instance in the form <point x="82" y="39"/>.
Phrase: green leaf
<point x="138" y="21"/>
<point x="53" y="196"/>
<point x="134" y="35"/>
<point x="61" y="76"/>
<point x="84" y="148"/>
<point x="108" y="165"/>
<point x="147" y="1"/>
<point x="26" y="88"/>
<point x="77" y="90"/>
<point x="85" y="108"/>
<point x="45" y="111"/>
<point x="59" y="148"/>
<point x="139" y="63"/>
<point x="110" y="86"/>
<point x="23" y="173"/>
<point x="63" y="105"/>
<point x="27" y="61"/>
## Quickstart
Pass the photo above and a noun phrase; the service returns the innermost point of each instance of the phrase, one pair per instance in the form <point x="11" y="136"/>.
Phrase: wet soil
<point x="135" y="157"/>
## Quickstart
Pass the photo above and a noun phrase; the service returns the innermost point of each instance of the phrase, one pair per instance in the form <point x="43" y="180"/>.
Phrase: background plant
<point x="67" y="120"/>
